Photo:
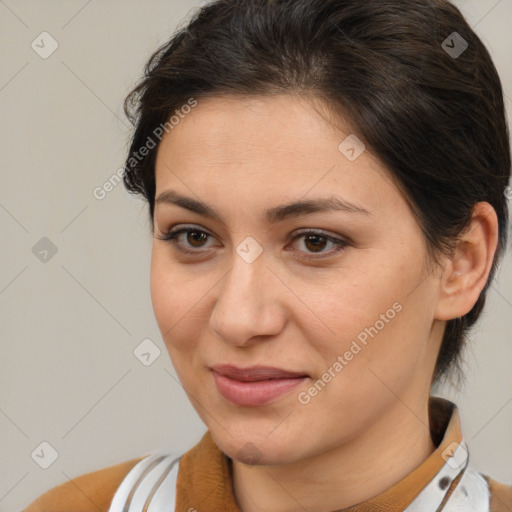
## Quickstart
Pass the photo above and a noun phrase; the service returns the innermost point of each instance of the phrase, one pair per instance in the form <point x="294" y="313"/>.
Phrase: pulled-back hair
<point x="411" y="77"/>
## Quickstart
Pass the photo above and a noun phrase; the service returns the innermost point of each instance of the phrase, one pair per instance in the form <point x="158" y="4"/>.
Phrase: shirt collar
<point x="205" y="478"/>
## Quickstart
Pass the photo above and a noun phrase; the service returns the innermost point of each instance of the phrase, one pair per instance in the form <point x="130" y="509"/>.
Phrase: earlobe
<point x="467" y="268"/>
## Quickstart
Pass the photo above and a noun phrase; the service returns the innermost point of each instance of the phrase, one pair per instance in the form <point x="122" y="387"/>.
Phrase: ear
<point x="467" y="269"/>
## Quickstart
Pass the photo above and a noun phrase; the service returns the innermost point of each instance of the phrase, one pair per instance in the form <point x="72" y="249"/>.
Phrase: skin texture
<point x="368" y="427"/>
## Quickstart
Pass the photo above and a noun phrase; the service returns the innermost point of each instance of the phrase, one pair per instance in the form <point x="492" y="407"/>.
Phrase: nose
<point x="249" y="304"/>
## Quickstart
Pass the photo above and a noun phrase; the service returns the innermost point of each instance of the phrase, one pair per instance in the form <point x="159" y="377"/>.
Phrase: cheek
<point x="372" y="321"/>
<point x="163" y="292"/>
<point x="347" y="306"/>
<point x="170" y="308"/>
<point x="173" y="298"/>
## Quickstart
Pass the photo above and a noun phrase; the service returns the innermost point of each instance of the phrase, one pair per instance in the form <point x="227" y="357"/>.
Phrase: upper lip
<point x="255" y="373"/>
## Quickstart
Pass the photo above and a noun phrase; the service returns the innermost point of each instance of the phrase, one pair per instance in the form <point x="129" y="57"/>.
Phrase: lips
<point x="254" y="386"/>
<point x="255" y="373"/>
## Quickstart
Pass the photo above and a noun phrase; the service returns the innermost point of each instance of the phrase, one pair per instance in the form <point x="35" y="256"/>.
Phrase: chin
<point x="255" y="450"/>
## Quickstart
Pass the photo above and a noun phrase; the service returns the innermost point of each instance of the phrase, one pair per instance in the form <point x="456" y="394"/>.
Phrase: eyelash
<point x="171" y="235"/>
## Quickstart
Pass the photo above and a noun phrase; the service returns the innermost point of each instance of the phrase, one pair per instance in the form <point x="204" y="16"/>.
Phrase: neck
<point x="344" y="476"/>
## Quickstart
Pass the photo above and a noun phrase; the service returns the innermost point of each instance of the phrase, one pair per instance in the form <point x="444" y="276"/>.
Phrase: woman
<point x="327" y="184"/>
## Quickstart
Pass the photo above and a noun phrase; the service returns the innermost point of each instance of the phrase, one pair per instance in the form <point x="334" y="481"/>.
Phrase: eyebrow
<point x="273" y="215"/>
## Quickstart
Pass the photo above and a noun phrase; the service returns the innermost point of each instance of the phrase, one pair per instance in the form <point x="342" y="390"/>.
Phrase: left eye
<point x="314" y="241"/>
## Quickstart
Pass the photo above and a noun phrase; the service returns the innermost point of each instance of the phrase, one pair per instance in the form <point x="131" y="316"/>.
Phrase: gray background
<point x="69" y="325"/>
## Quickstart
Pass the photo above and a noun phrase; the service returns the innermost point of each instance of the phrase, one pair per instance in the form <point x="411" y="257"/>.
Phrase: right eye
<point x="193" y="239"/>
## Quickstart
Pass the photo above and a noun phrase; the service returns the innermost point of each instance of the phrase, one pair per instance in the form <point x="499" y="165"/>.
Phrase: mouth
<point x="256" y="385"/>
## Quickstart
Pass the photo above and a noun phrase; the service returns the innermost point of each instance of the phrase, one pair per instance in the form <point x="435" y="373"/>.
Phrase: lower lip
<point x="254" y="393"/>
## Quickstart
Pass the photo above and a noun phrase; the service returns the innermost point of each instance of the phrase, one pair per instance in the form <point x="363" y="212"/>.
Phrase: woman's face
<point x="353" y="316"/>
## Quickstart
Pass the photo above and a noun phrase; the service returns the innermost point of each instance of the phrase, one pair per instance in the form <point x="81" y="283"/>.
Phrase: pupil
<point x="194" y="235"/>
<point x="316" y="239"/>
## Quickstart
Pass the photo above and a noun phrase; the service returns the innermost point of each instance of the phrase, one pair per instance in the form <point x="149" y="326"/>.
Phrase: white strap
<point x="150" y="486"/>
<point x="470" y="495"/>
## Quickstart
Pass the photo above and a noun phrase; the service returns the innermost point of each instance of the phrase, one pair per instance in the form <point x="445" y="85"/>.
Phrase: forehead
<point x="233" y="125"/>
<point x="282" y="145"/>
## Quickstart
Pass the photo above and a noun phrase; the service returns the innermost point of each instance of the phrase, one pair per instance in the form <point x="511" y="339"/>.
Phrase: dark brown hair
<point x="412" y="78"/>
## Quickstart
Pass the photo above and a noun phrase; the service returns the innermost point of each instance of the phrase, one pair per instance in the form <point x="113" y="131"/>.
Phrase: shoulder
<point x="500" y="495"/>
<point x="91" y="492"/>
